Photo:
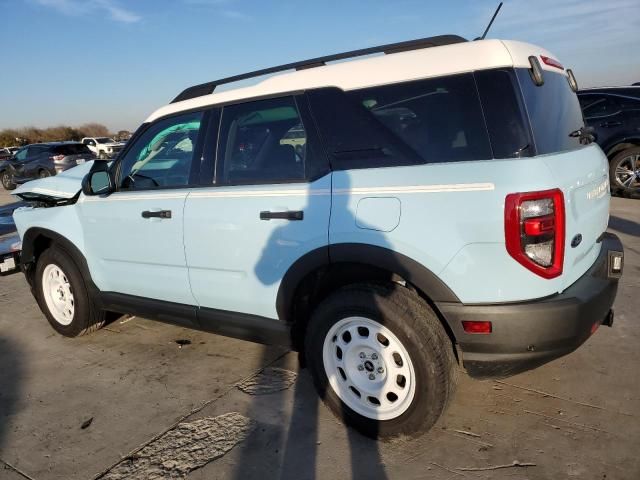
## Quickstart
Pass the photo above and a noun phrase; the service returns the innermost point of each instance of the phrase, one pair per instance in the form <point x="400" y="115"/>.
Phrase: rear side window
<point x="262" y="142"/>
<point x="596" y="106"/>
<point x="504" y="113"/>
<point x="427" y="121"/>
<point x="554" y="111"/>
<point x="72" y="149"/>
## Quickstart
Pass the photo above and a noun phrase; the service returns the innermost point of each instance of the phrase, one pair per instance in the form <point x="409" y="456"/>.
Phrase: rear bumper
<point x="528" y="334"/>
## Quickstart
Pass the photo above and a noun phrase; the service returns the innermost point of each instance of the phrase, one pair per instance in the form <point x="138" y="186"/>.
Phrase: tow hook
<point x="608" y="319"/>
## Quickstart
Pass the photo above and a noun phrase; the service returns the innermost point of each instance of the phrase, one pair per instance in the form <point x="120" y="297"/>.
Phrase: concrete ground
<point x="152" y="408"/>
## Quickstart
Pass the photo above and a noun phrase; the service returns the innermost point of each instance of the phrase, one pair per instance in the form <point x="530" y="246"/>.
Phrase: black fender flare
<point x="379" y="257"/>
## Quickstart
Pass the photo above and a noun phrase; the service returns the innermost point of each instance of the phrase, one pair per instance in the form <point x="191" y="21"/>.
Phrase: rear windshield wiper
<point x="585" y="134"/>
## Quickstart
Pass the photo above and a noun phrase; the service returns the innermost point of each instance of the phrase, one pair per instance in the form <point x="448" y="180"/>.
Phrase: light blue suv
<point x="395" y="218"/>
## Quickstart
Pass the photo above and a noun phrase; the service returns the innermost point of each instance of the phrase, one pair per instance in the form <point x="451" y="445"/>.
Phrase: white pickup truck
<point x="103" y="147"/>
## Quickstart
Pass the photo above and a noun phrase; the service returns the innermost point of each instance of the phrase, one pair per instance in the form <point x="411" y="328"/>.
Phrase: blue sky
<point x="115" y="61"/>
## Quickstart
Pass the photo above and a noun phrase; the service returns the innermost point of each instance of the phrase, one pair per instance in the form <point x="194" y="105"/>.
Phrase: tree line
<point x="24" y="136"/>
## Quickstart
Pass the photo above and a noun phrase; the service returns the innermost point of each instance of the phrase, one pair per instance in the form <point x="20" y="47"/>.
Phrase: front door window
<point x="164" y="155"/>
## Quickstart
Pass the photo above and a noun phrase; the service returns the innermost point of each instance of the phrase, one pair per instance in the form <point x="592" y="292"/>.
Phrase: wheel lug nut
<point x="372" y="376"/>
<point x="362" y="355"/>
<point x="360" y="367"/>
<point x="380" y="370"/>
<point x="374" y="356"/>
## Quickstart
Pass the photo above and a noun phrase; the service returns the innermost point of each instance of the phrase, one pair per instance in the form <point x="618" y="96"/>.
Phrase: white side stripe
<point x="452" y="187"/>
<point x="219" y="193"/>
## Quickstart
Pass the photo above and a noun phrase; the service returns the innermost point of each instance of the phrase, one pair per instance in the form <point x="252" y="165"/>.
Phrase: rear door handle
<point x="287" y="215"/>
<point x="156" y="214"/>
<point x="610" y="124"/>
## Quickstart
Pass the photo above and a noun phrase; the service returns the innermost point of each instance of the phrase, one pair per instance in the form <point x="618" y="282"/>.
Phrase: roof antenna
<point x="495" y="14"/>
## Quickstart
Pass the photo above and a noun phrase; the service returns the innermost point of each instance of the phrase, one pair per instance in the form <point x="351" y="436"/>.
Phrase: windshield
<point x="104" y="140"/>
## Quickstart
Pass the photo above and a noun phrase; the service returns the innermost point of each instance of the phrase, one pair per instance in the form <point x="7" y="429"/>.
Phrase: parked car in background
<point x="6" y="173"/>
<point x="103" y="147"/>
<point x="5" y="153"/>
<point x="614" y="115"/>
<point x="42" y="160"/>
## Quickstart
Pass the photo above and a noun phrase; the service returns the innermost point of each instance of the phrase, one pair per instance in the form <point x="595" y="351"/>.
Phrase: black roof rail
<point x="209" y="87"/>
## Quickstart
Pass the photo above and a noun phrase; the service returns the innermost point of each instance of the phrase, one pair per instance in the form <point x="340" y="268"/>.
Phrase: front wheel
<point x="63" y="296"/>
<point x="381" y="360"/>
<point x="7" y="181"/>
<point x="625" y="171"/>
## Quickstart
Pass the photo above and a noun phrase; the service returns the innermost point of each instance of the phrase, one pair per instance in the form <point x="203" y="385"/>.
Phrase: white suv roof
<point x="380" y="70"/>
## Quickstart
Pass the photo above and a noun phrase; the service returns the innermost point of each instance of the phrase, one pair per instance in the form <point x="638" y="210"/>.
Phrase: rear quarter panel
<point x="452" y="220"/>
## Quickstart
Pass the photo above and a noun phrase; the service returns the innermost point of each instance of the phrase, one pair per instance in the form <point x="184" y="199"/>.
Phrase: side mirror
<point x="98" y="182"/>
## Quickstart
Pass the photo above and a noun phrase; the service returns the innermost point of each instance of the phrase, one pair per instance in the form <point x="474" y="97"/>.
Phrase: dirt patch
<point x="190" y="445"/>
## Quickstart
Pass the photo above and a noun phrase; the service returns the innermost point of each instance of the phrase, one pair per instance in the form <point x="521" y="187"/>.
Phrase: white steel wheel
<point x="369" y="368"/>
<point x="58" y="294"/>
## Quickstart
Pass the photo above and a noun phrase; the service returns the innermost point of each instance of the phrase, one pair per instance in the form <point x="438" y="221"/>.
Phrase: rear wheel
<point x="62" y="295"/>
<point x="7" y="180"/>
<point x="102" y="155"/>
<point x="381" y="360"/>
<point x="43" y="174"/>
<point x="624" y="171"/>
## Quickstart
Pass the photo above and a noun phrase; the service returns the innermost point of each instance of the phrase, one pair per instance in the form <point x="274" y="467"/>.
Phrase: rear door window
<point x="263" y="141"/>
<point x="554" y="111"/>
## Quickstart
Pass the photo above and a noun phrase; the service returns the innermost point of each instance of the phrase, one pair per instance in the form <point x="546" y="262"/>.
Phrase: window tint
<point x="163" y="155"/>
<point x="71" y="149"/>
<point x="554" y="111"/>
<point x="504" y="114"/>
<point x="21" y="154"/>
<point x="594" y="106"/>
<point x="432" y="121"/>
<point x="262" y="142"/>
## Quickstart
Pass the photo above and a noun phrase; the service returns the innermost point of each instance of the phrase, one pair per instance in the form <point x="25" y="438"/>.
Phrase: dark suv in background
<point x="42" y="160"/>
<point x="614" y="114"/>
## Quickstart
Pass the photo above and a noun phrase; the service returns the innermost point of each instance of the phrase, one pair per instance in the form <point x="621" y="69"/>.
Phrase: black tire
<point x="43" y="174"/>
<point x="626" y="158"/>
<point x="102" y="156"/>
<point x="7" y="180"/>
<point x="87" y="318"/>
<point x="417" y="327"/>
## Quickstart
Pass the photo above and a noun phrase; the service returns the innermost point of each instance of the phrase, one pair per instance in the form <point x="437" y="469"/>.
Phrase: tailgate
<point x="583" y="176"/>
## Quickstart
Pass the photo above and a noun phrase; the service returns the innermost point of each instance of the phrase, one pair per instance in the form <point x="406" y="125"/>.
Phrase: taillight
<point x="552" y="62"/>
<point x="534" y="227"/>
<point x="57" y="158"/>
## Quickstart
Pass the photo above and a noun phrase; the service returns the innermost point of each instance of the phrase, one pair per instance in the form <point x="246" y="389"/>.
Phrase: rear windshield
<point x="104" y="140"/>
<point x="71" y="149"/>
<point x="554" y="111"/>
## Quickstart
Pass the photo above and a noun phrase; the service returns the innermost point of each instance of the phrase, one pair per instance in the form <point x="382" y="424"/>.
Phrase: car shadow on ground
<point x="623" y="225"/>
<point x="11" y="373"/>
<point x="299" y="439"/>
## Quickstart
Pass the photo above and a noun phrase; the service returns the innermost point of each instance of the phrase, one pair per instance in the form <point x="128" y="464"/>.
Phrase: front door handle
<point x="156" y="214"/>
<point x="286" y="215"/>
<point x="610" y="124"/>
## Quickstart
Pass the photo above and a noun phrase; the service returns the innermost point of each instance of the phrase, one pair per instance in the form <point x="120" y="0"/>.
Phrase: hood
<point x="64" y="185"/>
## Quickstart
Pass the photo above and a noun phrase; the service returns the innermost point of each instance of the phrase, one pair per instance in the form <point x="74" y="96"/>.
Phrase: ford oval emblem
<point x="576" y="240"/>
